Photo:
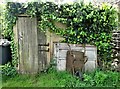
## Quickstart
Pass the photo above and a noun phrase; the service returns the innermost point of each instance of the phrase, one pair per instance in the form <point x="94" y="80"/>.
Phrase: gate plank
<point x="42" y="55"/>
<point x="34" y="47"/>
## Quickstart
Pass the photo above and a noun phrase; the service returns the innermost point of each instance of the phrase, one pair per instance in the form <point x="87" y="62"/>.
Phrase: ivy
<point x="86" y="24"/>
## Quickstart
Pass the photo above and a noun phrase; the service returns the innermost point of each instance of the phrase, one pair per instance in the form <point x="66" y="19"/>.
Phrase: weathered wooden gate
<point x="60" y="51"/>
<point x="32" y="45"/>
<point x="43" y="50"/>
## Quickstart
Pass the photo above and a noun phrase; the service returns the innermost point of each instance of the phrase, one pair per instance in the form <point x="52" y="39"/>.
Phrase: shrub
<point x="9" y="70"/>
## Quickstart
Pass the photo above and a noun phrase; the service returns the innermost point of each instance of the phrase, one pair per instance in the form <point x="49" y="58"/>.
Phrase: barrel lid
<point x="4" y="42"/>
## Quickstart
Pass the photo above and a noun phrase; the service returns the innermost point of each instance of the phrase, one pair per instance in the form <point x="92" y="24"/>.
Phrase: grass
<point x="41" y="80"/>
<point x="64" y="79"/>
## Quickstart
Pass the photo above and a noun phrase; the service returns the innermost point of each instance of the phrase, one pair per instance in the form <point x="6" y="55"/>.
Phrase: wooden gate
<point x="43" y="50"/>
<point x="32" y="45"/>
<point x="60" y="51"/>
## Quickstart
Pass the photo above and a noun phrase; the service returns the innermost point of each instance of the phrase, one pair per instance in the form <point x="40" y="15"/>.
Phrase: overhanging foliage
<point x="86" y="24"/>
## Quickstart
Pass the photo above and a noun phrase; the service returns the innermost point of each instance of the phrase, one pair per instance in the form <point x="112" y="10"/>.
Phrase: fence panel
<point x="60" y="50"/>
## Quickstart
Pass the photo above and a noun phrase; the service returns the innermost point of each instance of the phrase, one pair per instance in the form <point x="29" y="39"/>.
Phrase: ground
<point x="64" y="79"/>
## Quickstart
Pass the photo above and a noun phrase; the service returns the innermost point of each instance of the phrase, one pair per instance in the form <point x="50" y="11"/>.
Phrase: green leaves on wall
<point x="85" y="23"/>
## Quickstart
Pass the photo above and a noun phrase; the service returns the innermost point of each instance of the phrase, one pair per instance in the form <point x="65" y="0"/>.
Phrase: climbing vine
<point x="86" y="24"/>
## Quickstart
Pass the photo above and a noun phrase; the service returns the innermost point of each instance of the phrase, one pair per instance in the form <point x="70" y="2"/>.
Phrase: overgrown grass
<point x="64" y="79"/>
<point x="53" y="79"/>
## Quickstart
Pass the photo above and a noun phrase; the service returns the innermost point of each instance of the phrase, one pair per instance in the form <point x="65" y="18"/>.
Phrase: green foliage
<point x="9" y="70"/>
<point x="86" y="24"/>
<point x="64" y="79"/>
<point x="51" y="68"/>
<point x="9" y="20"/>
<point x="100" y="78"/>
